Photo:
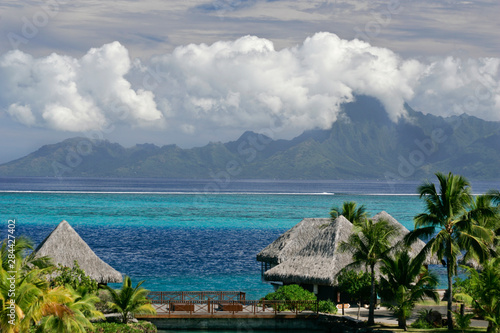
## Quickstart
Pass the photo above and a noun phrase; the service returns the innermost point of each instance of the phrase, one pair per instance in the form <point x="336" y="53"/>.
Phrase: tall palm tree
<point x="369" y="243"/>
<point x="130" y="300"/>
<point x="350" y="211"/>
<point x="405" y="282"/>
<point x="450" y="225"/>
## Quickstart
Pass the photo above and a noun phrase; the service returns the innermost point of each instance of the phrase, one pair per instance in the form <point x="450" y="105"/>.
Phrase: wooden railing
<point x="184" y="303"/>
<point x="161" y="297"/>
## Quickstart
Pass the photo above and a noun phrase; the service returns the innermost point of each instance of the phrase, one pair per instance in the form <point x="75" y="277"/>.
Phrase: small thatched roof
<point x="292" y="241"/>
<point x="64" y="246"/>
<point x="319" y="261"/>
<point x="402" y="232"/>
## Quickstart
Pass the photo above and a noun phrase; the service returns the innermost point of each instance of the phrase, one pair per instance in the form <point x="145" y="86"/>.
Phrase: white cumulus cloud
<point x="231" y="86"/>
<point x="69" y="94"/>
<point x="247" y="83"/>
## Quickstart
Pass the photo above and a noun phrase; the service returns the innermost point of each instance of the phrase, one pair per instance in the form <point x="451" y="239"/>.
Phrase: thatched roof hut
<point x="292" y="241"/>
<point x="64" y="246"/>
<point x="319" y="261"/>
<point x="402" y="232"/>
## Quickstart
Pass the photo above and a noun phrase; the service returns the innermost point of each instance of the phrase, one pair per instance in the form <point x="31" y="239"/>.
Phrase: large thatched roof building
<point x="292" y="241"/>
<point x="64" y="246"/>
<point x="319" y="261"/>
<point x="308" y="253"/>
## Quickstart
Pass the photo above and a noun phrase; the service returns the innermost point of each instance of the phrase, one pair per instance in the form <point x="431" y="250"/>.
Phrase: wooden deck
<point x="225" y="305"/>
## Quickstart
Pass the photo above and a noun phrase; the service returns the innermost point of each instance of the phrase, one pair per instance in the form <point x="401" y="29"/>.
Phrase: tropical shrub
<point x="462" y="320"/>
<point x="484" y="292"/>
<point x="405" y="281"/>
<point x="140" y="327"/>
<point x="427" y="319"/>
<point x="74" y="277"/>
<point x="327" y="307"/>
<point x="291" y="292"/>
<point x="130" y="300"/>
<point x="355" y="283"/>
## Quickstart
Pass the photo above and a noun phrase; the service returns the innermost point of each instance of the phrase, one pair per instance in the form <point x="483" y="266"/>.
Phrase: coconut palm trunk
<point x="373" y="295"/>
<point x="449" y="318"/>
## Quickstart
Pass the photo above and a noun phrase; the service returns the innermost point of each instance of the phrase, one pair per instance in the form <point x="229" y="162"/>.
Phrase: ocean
<point x="191" y="234"/>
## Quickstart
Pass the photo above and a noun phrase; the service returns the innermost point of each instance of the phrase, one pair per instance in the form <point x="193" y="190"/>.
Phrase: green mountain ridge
<point x="363" y="144"/>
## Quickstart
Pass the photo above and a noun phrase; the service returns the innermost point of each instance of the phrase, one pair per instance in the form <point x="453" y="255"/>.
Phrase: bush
<point x="428" y="318"/>
<point x="73" y="277"/>
<point x="140" y="327"/>
<point x="291" y="292"/>
<point x="421" y="323"/>
<point x="327" y="307"/>
<point x="462" y="321"/>
<point x="105" y="298"/>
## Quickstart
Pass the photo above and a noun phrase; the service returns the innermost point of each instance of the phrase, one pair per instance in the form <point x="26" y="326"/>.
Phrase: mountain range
<point x="362" y="144"/>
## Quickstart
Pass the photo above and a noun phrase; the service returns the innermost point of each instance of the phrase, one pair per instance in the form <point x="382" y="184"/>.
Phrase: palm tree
<point x="74" y="315"/>
<point x="405" y="282"/>
<point x="495" y="196"/>
<point x="368" y="244"/>
<point x="130" y="300"/>
<point x="484" y="293"/>
<point x="58" y="309"/>
<point x="33" y="296"/>
<point x="350" y="211"/>
<point x="449" y="223"/>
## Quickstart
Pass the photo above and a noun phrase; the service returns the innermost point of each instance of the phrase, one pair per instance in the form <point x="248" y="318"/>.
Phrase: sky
<point x="191" y="72"/>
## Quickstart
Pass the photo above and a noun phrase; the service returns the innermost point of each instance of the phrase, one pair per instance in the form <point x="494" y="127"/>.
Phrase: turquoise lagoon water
<point x="177" y="235"/>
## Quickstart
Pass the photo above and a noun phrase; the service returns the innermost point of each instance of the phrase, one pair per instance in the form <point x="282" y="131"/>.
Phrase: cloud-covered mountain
<point x="363" y="143"/>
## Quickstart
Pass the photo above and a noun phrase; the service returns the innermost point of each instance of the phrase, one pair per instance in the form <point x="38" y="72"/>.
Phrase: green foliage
<point x="74" y="277"/>
<point x="451" y="226"/>
<point x="462" y="321"/>
<point x="404" y="283"/>
<point x="483" y="292"/>
<point x="369" y="243"/>
<point x="327" y="307"/>
<point x="356" y="283"/>
<point x="421" y="324"/>
<point x="424" y="319"/>
<point x="130" y="300"/>
<point x="350" y="211"/>
<point x="104" y="327"/>
<point x="291" y="292"/>
<point x="104" y="299"/>
<point x="140" y="327"/>
<point x="463" y="287"/>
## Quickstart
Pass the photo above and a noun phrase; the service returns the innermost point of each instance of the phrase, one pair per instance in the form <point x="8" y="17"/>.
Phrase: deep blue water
<point x="190" y="235"/>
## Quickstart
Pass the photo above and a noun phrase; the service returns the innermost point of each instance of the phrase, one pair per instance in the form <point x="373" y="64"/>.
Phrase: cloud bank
<point x="240" y="84"/>
<point x="69" y="94"/>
